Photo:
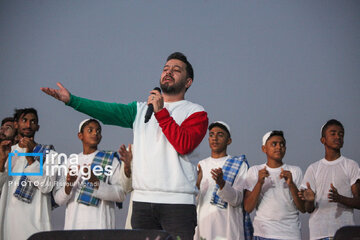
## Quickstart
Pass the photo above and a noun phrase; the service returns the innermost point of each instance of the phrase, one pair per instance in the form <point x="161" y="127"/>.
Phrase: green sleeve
<point x="108" y="113"/>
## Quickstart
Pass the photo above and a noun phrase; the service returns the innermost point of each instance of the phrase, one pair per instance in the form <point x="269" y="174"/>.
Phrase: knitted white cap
<point x="266" y="137"/>
<point x="82" y="123"/>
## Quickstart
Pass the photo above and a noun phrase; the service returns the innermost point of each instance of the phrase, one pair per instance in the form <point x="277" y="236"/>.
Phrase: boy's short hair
<point x="221" y="125"/>
<point x="180" y="56"/>
<point x="7" y="119"/>
<point x="330" y="123"/>
<point x="23" y="111"/>
<point x="86" y="122"/>
<point x="272" y="133"/>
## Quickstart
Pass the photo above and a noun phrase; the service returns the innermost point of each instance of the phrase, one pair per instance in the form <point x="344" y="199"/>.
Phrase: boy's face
<point x="91" y="134"/>
<point x="275" y="148"/>
<point x="27" y="125"/>
<point x="218" y="140"/>
<point x="334" y="137"/>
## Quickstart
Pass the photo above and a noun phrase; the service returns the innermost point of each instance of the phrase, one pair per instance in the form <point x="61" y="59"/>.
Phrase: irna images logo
<point x="11" y="155"/>
<point x="60" y="164"/>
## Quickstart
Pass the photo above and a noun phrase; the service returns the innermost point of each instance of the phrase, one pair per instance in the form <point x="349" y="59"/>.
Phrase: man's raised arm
<point x="108" y="113"/>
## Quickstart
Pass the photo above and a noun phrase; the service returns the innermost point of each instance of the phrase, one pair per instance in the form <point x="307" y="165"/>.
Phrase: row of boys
<point x="329" y="191"/>
<point x="26" y="201"/>
<point x="271" y="188"/>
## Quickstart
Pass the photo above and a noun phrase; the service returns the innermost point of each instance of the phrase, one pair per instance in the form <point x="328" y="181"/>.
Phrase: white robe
<point x="19" y="220"/>
<point x="214" y="222"/>
<point x="330" y="216"/>
<point x="102" y="216"/>
<point x="276" y="214"/>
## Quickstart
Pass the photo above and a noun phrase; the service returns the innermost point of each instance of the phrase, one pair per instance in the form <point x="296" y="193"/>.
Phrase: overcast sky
<point x="258" y="65"/>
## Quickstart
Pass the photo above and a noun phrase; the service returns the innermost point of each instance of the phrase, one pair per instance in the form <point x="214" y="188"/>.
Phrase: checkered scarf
<point x="248" y="227"/>
<point x="102" y="158"/>
<point x="26" y="189"/>
<point x="230" y="170"/>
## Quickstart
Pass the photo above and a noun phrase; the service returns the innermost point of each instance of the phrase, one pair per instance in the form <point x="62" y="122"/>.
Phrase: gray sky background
<point x="259" y="65"/>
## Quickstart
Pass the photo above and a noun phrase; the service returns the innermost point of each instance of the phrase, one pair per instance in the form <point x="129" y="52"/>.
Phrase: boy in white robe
<point x="219" y="209"/>
<point x="91" y="190"/>
<point x="272" y="188"/>
<point x="25" y="203"/>
<point x="329" y="186"/>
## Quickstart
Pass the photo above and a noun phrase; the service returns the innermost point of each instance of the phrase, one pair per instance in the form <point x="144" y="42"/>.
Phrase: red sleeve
<point x="186" y="137"/>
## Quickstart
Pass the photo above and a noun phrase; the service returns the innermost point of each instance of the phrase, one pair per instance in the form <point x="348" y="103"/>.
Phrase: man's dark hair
<point x="180" y="56"/>
<point x="22" y="112"/>
<point x="87" y="123"/>
<point x="330" y="123"/>
<point x="277" y="133"/>
<point x="7" y="119"/>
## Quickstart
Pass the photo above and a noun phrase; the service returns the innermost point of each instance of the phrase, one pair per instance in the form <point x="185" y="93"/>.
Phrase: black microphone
<point x="150" y="109"/>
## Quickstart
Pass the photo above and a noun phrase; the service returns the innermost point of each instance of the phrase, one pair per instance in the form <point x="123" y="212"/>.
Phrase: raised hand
<point x="61" y="94"/>
<point x="263" y="173"/>
<point x="200" y="176"/>
<point x="126" y="157"/>
<point x="333" y="195"/>
<point x="287" y="176"/>
<point x="307" y="194"/>
<point x="27" y="143"/>
<point x="218" y="176"/>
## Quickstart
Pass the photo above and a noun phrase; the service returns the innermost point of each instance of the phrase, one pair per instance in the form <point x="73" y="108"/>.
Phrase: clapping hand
<point x="126" y="156"/>
<point x="218" y="176"/>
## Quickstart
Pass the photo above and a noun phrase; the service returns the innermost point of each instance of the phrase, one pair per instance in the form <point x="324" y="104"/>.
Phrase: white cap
<point x="266" y="137"/>
<point x="82" y="123"/>
<point x="321" y="130"/>
<point x="221" y="123"/>
<point x="270" y="134"/>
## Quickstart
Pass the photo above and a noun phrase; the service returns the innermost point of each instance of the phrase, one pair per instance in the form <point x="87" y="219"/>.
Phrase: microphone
<point x="150" y="109"/>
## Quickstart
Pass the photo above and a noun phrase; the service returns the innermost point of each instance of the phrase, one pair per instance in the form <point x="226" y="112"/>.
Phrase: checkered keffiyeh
<point x="26" y="189"/>
<point x="102" y="158"/>
<point x="248" y="227"/>
<point x="230" y="170"/>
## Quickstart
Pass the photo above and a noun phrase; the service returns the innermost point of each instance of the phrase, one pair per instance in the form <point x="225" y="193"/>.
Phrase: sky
<point x="258" y="66"/>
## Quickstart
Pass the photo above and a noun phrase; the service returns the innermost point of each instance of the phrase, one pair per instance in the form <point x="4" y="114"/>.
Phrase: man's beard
<point x="176" y="88"/>
<point x="2" y="136"/>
